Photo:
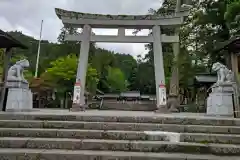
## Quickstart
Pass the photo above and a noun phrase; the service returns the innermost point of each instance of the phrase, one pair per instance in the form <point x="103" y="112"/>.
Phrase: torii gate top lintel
<point x="79" y="19"/>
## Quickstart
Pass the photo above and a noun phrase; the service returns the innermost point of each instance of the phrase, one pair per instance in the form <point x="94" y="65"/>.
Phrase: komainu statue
<point x="223" y="73"/>
<point x="220" y="101"/>
<point x="15" y="73"/>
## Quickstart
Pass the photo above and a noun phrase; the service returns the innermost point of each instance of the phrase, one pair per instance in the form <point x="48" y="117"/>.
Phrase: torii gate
<point x="121" y="22"/>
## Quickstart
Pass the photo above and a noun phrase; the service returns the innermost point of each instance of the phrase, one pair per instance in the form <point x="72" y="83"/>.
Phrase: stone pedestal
<point x="220" y="101"/>
<point x="162" y="109"/>
<point x="19" y="96"/>
<point x="77" y="108"/>
<point x="172" y="103"/>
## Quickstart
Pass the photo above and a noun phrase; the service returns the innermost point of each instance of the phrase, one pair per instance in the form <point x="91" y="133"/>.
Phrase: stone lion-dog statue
<point x="15" y="72"/>
<point x="223" y="73"/>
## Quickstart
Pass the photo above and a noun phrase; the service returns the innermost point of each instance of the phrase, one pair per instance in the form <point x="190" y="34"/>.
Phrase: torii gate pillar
<point x="159" y="69"/>
<point x="79" y="104"/>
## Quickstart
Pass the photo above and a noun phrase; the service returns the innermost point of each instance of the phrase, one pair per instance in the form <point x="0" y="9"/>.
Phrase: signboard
<point x="77" y="93"/>
<point x="162" y="95"/>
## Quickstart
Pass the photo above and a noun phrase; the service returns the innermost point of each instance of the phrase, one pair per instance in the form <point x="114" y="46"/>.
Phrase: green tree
<point x="206" y="25"/>
<point x="126" y="63"/>
<point x="63" y="73"/>
<point x="232" y="16"/>
<point x="204" y="28"/>
<point x="92" y="79"/>
<point x="102" y="60"/>
<point x="116" y="80"/>
<point x="145" y="80"/>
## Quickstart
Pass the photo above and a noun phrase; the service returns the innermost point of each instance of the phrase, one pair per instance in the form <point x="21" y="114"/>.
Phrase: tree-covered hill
<point x="103" y="61"/>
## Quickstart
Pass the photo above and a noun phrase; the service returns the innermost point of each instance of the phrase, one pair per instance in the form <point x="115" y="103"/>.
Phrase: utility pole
<point x="38" y="53"/>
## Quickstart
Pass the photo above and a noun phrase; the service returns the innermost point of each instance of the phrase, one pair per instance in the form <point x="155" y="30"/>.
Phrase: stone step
<point x="131" y="106"/>
<point x="119" y="126"/>
<point x="119" y="145"/>
<point x="79" y="134"/>
<point x="121" y="135"/>
<point x="37" y="154"/>
<point x="155" y="118"/>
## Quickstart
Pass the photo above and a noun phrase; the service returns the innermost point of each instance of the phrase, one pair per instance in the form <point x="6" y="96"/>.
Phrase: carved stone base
<point x="19" y="110"/>
<point x="78" y="108"/>
<point x="19" y="97"/>
<point x="17" y="84"/>
<point x="173" y="110"/>
<point x="162" y="109"/>
<point x="220" y="101"/>
<point x="172" y="103"/>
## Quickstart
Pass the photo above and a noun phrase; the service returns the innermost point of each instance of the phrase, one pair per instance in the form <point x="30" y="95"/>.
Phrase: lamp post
<point x="38" y="53"/>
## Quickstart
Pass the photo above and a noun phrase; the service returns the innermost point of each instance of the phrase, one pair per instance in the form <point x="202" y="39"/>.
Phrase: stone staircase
<point x="53" y="136"/>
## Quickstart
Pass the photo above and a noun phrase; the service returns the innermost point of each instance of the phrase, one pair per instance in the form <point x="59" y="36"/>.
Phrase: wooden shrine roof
<point x="232" y="45"/>
<point x="7" y="41"/>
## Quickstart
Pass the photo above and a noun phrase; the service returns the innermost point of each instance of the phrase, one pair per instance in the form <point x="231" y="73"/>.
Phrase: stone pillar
<point x="158" y="65"/>
<point x="173" y="102"/>
<point x="234" y="62"/>
<point x="178" y="5"/>
<point x="83" y="62"/>
<point x="7" y="57"/>
<point x="174" y="81"/>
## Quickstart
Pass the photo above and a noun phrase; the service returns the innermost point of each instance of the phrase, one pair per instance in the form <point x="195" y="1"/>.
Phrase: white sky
<point x="26" y="16"/>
